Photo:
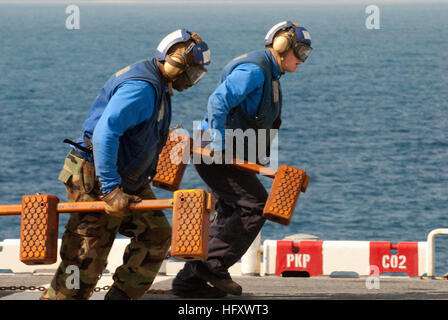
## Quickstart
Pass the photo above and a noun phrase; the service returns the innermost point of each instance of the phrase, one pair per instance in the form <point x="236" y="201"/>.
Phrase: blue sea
<point x="366" y="116"/>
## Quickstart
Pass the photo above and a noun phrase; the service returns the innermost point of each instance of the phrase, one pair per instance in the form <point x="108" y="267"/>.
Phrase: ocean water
<point x="366" y="116"/>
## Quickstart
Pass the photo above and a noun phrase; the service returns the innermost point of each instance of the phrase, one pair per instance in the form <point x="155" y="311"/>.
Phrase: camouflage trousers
<point x="88" y="238"/>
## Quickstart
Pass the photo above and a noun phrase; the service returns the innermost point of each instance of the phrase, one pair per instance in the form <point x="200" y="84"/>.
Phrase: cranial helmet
<point x="189" y="58"/>
<point x="286" y="35"/>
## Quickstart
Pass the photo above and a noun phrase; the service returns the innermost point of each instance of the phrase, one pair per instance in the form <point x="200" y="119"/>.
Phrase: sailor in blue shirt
<point x="114" y="161"/>
<point x="127" y="108"/>
<point x="248" y="97"/>
<point x="244" y="87"/>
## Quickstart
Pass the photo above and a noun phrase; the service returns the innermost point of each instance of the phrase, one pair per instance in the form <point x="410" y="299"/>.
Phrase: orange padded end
<point x="172" y="162"/>
<point x="39" y="229"/>
<point x="285" y="191"/>
<point x="191" y="222"/>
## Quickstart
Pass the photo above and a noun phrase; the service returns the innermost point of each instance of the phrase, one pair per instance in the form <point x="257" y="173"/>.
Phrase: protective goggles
<point x="299" y="36"/>
<point x="195" y="73"/>
<point x="301" y="51"/>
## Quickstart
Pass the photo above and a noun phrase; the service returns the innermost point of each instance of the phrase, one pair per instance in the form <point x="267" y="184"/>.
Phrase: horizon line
<point x="258" y="2"/>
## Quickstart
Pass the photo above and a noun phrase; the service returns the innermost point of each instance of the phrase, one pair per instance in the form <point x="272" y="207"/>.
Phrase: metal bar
<point x="10" y="209"/>
<point x="248" y="166"/>
<point x="242" y="164"/>
<point x="88" y="206"/>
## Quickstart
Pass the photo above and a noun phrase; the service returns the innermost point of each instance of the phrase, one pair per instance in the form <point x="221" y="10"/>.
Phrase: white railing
<point x="431" y="250"/>
<point x="338" y="256"/>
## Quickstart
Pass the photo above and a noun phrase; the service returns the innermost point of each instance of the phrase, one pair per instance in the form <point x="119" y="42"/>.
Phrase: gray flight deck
<point x="270" y="287"/>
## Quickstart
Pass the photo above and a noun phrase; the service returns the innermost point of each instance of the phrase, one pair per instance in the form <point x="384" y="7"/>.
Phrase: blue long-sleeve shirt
<point x="244" y="87"/>
<point x="131" y="104"/>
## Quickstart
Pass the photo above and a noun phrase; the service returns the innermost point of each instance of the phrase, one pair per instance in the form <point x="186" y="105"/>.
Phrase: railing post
<point x="250" y="261"/>
<point x="430" y="252"/>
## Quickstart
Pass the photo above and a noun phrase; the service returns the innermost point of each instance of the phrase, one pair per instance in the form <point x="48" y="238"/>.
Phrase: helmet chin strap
<point x="278" y="59"/>
<point x="170" y="88"/>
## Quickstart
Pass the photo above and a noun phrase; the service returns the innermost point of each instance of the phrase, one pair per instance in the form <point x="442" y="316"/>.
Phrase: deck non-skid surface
<point x="271" y="287"/>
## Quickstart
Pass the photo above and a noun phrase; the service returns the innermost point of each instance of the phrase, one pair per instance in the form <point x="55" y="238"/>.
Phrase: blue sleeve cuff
<point x="109" y="188"/>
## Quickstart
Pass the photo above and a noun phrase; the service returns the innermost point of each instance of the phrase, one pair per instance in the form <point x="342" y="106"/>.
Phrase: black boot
<point x="226" y="285"/>
<point x="115" y="293"/>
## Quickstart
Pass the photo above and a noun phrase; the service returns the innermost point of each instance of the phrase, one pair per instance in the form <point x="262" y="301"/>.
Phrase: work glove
<point x="117" y="202"/>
